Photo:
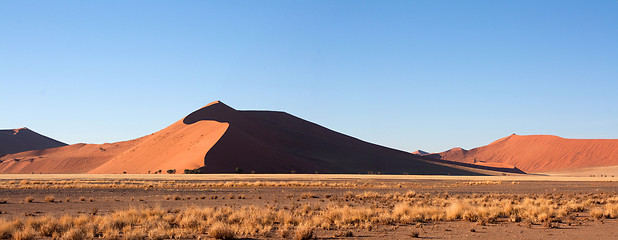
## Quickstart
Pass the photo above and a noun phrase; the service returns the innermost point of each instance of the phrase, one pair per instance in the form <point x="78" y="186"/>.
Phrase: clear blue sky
<point x="405" y="74"/>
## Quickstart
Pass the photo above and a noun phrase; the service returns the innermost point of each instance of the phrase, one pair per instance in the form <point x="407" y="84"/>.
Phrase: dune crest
<point x="540" y="153"/>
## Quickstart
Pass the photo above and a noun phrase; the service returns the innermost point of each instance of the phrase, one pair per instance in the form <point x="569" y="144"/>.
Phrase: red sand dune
<point x="24" y="139"/>
<point x="539" y="153"/>
<point x="76" y="158"/>
<point x="220" y="139"/>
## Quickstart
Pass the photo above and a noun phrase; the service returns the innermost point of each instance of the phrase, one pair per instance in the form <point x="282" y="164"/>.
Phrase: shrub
<point x="193" y="171"/>
<point x="29" y="199"/>
<point x="50" y="198"/>
<point x="220" y="230"/>
<point x="26" y="233"/>
<point x="74" y="234"/>
<point x="303" y="232"/>
<point x="171" y="171"/>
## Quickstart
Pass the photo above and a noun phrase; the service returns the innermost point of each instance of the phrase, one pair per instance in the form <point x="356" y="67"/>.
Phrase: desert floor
<point x="27" y="196"/>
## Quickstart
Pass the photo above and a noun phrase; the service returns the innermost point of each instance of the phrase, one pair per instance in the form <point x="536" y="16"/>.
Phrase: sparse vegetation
<point x="193" y="171"/>
<point x="29" y="199"/>
<point x="301" y="220"/>
<point x="49" y="198"/>
<point x="136" y="184"/>
<point x="298" y="209"/>
<point x="221" y="230"/>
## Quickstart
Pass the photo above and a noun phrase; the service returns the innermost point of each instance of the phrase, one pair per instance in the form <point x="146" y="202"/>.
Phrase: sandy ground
<point x="103" y="201"/>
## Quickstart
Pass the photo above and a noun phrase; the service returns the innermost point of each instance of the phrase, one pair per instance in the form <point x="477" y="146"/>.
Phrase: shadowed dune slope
<point x="277" y="142"/>
<point x="24" y="139"/>
<point x="539" y="153"/>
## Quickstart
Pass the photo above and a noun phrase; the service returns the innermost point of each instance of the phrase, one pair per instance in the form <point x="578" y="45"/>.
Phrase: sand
<point x="540" y="153"/>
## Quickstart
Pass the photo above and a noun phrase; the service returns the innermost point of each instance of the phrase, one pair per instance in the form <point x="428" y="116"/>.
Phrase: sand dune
<point x="24" y="139"/>
<point x="540" y="153"/>
<point x="220" y="139"/>
<point x="76" y="158"/>
<point x="277" y="142"/>
<point x="420" y="152"/>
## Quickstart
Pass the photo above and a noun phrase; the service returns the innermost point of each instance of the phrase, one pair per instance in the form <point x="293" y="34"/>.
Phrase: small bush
<point x="50" y="198"/>
<point x="303" y="232"/>
<point x="25" y="234"/>
<point x="220" y="230"/>
<point x="29" y="199"/>
<point x="74" y="234"/>
<point x="193" y="171"/>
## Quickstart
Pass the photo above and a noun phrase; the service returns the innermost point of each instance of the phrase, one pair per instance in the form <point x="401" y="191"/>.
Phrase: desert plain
<point x="306" y="206"/>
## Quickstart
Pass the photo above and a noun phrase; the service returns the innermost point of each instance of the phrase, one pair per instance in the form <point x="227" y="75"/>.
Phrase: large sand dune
<point x="539" y="153"/>
<point x="24" y="139"/>
<point x="220" y="139"/>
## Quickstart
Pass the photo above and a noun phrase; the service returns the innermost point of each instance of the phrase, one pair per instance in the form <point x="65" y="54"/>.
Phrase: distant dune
<point x="539" y="153"/>
<point x="24" y="139"/>
<point x="220" y="139"/>
<point x="420" y="152"/>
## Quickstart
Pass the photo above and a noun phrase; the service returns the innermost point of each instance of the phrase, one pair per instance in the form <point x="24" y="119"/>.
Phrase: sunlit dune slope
<point x="540" y="153"/>
<point x="76" y="158"/>
<point x="24" y="139"/>
<point x="179" y="146"/>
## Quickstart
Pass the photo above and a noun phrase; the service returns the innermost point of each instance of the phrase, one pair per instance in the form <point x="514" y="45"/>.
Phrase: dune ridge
<point x="539" y="153"/>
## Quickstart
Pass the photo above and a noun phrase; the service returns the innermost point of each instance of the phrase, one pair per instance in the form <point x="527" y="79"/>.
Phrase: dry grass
<point x="303" y="232"/>
<point x="363" y="210"/>
<point x="49" y="198"/>
<point x="149" y="184"/>
<point x="221" y="230"/>
<point x="29" y="199"/>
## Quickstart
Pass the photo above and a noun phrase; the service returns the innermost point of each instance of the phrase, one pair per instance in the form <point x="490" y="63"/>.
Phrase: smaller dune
<point x="539" y="153"/>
